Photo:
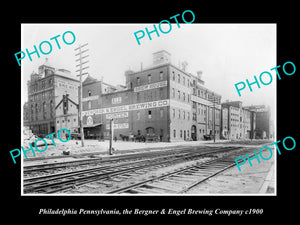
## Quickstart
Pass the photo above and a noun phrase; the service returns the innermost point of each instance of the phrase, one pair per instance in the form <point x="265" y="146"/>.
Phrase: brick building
<point x="237" y="122"/>
<point x="263" y="123"/>
<point x="161" y="102"/>
<point x="52" y="101"/>
<point x="206" y="109"/>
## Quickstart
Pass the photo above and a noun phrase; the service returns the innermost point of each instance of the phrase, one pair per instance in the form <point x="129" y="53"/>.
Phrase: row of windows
<point x="182" y="133"/>
<point x="46" y="109"/>
<point x="41" y="85"/>
<point x="180" y="95"/>
<point x="180" y="79"/>
<point x="234" y="120"/>
<point x="202" y="110"/>
<point x="184" y="115"/>
<point x="41" y="96"/>
<point x="186" y="133"/>
<point x="63" y="121"/>
<point x="149" y="78"/>
<point x="200" y="93"/>
<point x="43" y="108"/>
<point x="150" y="95"/>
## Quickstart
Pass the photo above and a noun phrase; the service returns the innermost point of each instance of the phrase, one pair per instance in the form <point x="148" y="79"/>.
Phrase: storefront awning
<point x="88" y="126"/>
<point x="92" y="125"/>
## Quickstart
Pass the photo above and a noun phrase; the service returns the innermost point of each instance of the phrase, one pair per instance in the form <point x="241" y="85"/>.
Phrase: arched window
<point x="51" y="109"/>
<point x="44" y="110"/>
<point x="150" y="130"/>
<point x="36" y="111"/>
<point x="31" y="112"/>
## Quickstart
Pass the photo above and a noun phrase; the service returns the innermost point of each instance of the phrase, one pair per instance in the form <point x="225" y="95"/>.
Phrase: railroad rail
<point x="62" y="181"/>
<point x="95" y="161"/>
<point x="181" y="180"/>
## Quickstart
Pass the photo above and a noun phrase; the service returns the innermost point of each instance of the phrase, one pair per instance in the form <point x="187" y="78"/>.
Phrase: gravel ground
<point x="98" y="187"/>
<point x="94" y="147"/>
<point x="73" y="147"/>
<point x="249" y="181"/>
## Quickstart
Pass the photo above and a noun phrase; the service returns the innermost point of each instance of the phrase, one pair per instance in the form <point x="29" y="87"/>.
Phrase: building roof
<point x="237" y="104"/>
<point x="89" y="80"/>
<point x="46" y="63"/>
<point x="161" y="51"/>
<point x="258" y="108"/>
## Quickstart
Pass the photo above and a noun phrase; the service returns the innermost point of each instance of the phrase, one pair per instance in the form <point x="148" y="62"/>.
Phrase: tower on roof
<point x="46" y="69"/>
<point x="161" y="57"/>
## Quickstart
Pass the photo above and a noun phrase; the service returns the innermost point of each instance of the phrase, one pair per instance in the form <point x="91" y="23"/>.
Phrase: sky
<point x="225" y="53"/>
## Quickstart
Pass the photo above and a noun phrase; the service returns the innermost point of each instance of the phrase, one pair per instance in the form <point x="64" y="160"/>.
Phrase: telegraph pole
<point x="214" y="118"/>
<point x="111" y="125"/>
<point x="81" y="62"/>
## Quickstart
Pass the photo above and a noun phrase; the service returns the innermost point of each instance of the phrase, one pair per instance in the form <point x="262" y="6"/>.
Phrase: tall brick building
<point x="52" y="101"/>
<point x="161" y="102"/>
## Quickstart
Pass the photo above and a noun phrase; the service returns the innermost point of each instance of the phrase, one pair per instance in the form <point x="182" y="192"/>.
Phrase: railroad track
<point x="181" y="180"/>
<point x="96" y="161"/>
<point x="63" y="181"/>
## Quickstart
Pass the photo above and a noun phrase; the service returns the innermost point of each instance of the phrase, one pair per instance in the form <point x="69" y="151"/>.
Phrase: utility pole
<point x="111" y="124"/>
<point x="81" y="62"/>
<point x="214" y="118"/>
<point x="213" y="99"/>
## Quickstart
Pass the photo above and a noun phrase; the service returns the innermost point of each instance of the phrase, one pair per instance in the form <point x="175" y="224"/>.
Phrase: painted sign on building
<point x="118" y="126"/>
<point x="90" y="98"/>
<point x="89" y="121"/>
<point x="116" y="115"/>
<point x="203" y="101"/>
<point x="151" y="86"/>
<point x="132" y="107"/>
<point x="116" y="100"/>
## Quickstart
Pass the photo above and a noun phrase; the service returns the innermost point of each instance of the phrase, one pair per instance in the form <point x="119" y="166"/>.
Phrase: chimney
<point x="184" y="66"/>
<point x="199" y="75"/>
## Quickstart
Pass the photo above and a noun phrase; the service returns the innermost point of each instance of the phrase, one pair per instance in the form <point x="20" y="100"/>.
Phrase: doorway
<point x="194" y="133"/>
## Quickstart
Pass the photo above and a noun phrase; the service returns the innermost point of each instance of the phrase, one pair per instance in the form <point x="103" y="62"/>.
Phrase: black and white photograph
<point x="149" y="112"/>
<point x="110" y="111"/>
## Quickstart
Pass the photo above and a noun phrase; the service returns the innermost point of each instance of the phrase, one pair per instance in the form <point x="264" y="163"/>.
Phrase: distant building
<point x="206" y="109"/>
<point x="237" y="121"/>
<point x="52" y="101"/>
<point x="225" y="123"/>
<point x="263" y="126"/>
